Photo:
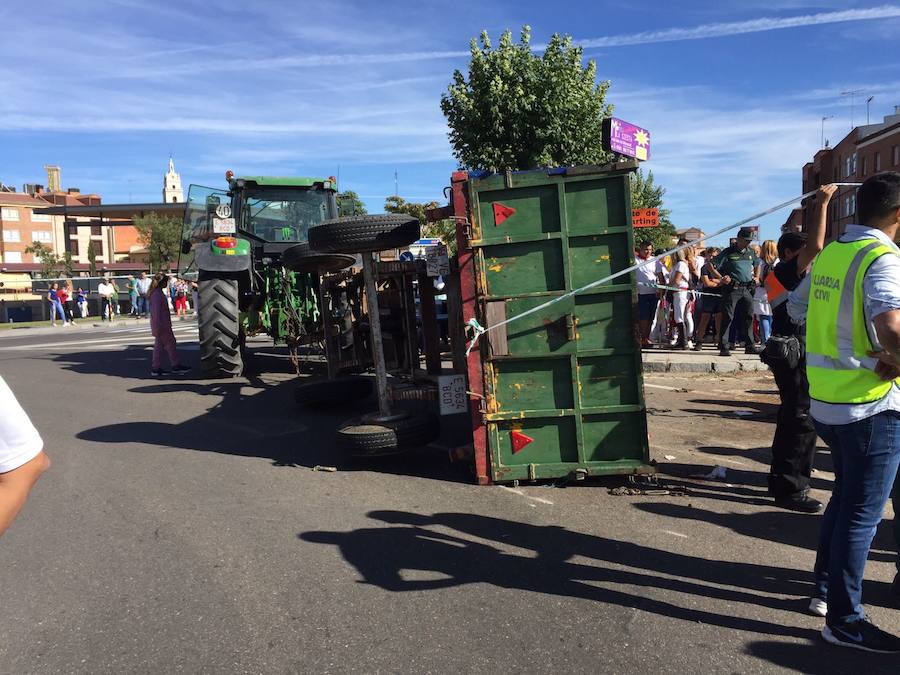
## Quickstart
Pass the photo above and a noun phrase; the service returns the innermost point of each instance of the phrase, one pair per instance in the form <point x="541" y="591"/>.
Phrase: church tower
<point x="172" y="185"/>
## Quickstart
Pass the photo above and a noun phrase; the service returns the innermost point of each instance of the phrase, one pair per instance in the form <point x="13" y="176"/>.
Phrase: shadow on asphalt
<point x="392" y="557"/>
<point x="250" y="417"/>
<point x="734" y="409"/>
<point x="781" y="526"/>
<point x="817" y="658"/>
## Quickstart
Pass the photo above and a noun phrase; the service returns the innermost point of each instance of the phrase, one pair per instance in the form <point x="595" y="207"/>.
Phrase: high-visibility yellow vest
<point x="838" y="337"/>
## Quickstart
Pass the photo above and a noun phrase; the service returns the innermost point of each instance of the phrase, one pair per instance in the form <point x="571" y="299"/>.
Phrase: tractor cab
<point x="281" y="210"/>
<point x="262" y="214"/>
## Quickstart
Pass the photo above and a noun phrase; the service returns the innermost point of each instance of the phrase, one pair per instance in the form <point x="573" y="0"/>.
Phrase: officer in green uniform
<point x="739" y="267"/>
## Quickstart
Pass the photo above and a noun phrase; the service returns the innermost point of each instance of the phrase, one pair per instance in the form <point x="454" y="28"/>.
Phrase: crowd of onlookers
<point x="68" y="302"/>
<point x="680" y="297"/>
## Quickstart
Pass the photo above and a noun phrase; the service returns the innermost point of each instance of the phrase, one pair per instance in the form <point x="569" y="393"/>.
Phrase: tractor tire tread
<point x="362" y="234"/>
<point x="366" y="439"/>
<point x="219" y="327"/>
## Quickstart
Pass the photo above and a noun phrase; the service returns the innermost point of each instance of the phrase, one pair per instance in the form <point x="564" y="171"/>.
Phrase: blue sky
<point x="733" y="92"/>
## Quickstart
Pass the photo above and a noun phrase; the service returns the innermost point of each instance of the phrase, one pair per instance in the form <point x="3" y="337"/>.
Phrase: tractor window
<point x="283" y="215"/>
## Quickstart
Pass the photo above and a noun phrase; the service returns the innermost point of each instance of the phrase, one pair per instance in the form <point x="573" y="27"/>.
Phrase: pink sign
<point x="625" y="138"/>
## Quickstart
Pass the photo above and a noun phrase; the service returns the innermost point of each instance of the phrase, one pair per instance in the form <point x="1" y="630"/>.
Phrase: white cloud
<point x="713" y="30"/>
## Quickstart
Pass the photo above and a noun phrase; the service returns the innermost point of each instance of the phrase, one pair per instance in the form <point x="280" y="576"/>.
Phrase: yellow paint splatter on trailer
<point x="495" y="268"/>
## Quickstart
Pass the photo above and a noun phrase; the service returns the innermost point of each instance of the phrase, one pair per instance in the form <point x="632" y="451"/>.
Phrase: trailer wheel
<point x="361" y="234"/>
<point x="333" y="392"/>
<point x="301" y="258"/>
<point x="219" y="327"/>
<point x="363" y="439"/>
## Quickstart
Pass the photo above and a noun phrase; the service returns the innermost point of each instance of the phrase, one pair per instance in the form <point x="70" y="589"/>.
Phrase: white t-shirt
<point x="685" y="281"/>
<point x="19" y="440"/>
<point x="647" y="275"/>
<point x="106" y="290"/>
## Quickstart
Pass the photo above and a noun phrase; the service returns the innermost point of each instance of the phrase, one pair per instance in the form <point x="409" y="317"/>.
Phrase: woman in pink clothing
<point x="161" y="327"/>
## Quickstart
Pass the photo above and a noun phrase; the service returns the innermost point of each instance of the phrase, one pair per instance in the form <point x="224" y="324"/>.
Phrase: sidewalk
<point x="705" y="361"/>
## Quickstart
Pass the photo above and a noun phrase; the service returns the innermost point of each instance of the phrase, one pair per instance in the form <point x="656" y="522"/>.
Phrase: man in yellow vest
<point x="853" y="350"/>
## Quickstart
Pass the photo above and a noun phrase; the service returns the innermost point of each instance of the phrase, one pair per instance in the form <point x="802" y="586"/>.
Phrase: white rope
<point x="678" y="290"/>
<point x="481" y="330"/>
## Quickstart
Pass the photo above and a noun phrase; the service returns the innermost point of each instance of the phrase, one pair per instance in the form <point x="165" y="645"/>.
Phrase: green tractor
<point x="247" y="248"/>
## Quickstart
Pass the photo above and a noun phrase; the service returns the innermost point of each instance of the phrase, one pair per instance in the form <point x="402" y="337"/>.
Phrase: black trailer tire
<point x="301" y="258"/>
<point x="364" y="439"/>
<point x="219" y="327"/>
<point x="333" y="392"/>
<point x="361" y="234"/>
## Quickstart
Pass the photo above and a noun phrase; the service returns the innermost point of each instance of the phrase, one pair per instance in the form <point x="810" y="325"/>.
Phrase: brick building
<point x="19" y="227"/>
<point x="865" y="151"/>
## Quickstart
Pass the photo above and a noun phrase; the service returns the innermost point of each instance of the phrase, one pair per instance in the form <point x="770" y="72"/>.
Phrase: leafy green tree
<point x="162" y="237"/>
<point x="397" y="204"/>
<point x="68" y="264"/>
<point x="645" y="194"/>
<point x="92" y="258"/>
<point x="48" y="259"/>
<point x="519" y="110"/>
<point x="349" y="204"/>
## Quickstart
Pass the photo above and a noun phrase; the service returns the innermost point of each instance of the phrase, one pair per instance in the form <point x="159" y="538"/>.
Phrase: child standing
<point x="161" y="327"/>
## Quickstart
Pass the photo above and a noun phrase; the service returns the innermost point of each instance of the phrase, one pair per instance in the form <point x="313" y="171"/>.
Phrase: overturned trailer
<point x="559" y="392"/>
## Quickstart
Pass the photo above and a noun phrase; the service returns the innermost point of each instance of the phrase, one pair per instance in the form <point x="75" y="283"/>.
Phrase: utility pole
<point x="826" y="117"/>
<point x="868" y="101"/>
<point x="852" y="93"/>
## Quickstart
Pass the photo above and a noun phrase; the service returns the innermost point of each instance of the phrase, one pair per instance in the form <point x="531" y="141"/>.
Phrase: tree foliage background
<point x="518" y="110"/>
<point x="443" y="229"/>
<point x="48" y="259"/>
<point x="349" y="204"/>
<point x="162" y="237"/>
<point x="645" y="194"/>
<point x="92" y="258"/>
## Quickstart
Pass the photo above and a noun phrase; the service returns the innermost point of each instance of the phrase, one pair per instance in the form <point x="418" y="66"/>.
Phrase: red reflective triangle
<point x="502" y="212"/>
<point x="519" y="440"/>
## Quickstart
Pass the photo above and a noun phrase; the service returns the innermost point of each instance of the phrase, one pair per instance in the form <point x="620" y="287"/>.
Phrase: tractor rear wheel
<point x="361" y="234"/>
<point x="220" y="333"/>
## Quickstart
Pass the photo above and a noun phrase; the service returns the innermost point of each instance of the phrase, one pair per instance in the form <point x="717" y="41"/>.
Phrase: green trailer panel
<point x="563" y="386"/>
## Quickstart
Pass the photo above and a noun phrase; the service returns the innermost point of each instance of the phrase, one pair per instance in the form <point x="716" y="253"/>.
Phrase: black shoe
<point x="754" y="349"/>
<point x="158" y="371"/>
<point x="724" y="351"/>
<point x="180" y="369"/>
<point x="801" y="502"/>
<point x="863" y="635"/>
<point x="895" y="590"/>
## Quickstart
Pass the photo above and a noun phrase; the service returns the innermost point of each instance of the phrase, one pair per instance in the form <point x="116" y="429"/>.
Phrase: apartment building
<point x="865" y="151"/>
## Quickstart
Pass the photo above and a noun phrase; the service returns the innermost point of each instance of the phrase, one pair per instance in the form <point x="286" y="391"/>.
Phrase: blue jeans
<point x="57" y="308"/>
<point x="865" y="455"/>
<point x="141" y="305"/>
<point x="765" y="327"/>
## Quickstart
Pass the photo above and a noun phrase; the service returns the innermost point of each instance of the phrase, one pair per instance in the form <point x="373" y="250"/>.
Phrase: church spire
<point x="172" y="192"/>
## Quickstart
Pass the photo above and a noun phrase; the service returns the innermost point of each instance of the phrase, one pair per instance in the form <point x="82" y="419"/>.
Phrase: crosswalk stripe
<point x="79" y="344"/>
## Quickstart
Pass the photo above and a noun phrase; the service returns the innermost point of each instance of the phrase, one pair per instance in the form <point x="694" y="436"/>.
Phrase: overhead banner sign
<point x="645" y="217"/>
<point x="624" y="138"/>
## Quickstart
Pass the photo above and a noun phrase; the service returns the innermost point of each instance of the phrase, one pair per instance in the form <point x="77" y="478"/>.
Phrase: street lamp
<point x="868" y="101"/>
<point x="826" y="117"/>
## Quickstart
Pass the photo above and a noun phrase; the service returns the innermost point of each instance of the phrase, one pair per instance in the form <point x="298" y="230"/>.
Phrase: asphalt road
<point x="181" y="529"/>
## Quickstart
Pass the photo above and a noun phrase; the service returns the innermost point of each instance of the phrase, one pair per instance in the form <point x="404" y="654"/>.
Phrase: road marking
<point x="540" y="500"/>
<point x="676" y="534"/>
<point x="79" y="344"/>
<point x="662" y="386"/>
